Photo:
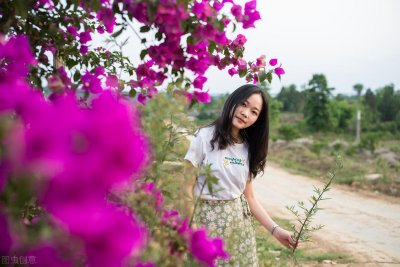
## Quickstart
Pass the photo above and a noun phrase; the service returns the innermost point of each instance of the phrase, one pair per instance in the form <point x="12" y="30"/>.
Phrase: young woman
<point x="235" y="146"/>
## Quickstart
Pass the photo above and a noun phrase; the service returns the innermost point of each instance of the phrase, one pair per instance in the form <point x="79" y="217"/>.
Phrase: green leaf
<point x="263" y="76"/>
<point x="159" y="36"/>
<point x="145" y="28"/>
<point x="242" y="73"/>
<point x="117" y="33"/>
<point x="143" y="53"/>
<point x="166" y="193"/>
<point x="211" y="47"/>
<point x="132" y="93"/>
<point x="269" y="77"/>
<point x="77" y="76"/>
<point x="190" y="40"/>
<point x="70" y="63"/>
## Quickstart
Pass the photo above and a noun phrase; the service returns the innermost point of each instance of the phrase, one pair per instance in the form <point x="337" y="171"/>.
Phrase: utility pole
<point x="358" y="125"/>
<point x="358" y="88"/>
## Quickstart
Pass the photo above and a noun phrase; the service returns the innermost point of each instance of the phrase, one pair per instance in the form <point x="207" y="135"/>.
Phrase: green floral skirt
<point x="233" y="221"/>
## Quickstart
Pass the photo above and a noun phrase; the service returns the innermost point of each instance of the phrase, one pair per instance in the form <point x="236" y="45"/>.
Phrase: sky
<point x="350" y="41"/>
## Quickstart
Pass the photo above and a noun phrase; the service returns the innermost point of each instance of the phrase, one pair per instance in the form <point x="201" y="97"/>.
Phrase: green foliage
<point x="388" y="103"/>
<point x="358" y="88"/>
<point x="206" y="113"/>
<point x="288" y="132"/>
<point x="317" y="108"/>
<point x="341" y="113"/>
<point x="317" y="147"/>
<point x="292" y="100"/>
<point x="369" y="141"/>
<point x="370" y="100"/>
<point x="165" y="121"/>
<point x="274" y="105"/>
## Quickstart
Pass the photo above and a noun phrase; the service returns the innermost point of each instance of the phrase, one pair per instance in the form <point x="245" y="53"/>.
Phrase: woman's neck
<point x="237" y="138"/>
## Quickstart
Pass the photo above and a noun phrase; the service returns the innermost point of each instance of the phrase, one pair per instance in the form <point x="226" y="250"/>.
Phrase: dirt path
<point x="362" y="224"/>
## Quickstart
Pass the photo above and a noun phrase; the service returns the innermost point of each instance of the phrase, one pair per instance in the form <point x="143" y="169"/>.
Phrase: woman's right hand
<point x="286" y="238"/>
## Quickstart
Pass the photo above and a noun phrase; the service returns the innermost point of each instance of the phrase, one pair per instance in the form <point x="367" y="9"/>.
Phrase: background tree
<point x="291" y="99"/>
<point x="274" y="105"/>
<point x="316" y="108"/>
<point x="388" y="103"/>
<point x="342" y="113"/>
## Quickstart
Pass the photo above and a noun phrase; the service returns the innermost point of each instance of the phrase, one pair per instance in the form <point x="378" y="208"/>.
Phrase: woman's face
<point x="247" y="112"/>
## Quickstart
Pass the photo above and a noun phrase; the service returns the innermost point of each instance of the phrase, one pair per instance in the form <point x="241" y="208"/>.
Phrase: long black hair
<point x="256" y="136"/>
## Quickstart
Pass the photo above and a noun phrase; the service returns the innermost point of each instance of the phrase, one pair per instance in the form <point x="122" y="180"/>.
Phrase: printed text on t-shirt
<point x="234" y="161"/>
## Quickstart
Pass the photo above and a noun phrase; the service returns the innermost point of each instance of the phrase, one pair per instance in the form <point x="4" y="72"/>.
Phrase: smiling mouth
<point x="242" y="121"/>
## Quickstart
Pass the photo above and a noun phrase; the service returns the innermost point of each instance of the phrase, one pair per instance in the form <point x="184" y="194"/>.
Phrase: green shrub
<point x="317" y="147"/>
<point x="369" y="141"/>
<point x="288" y="132"/>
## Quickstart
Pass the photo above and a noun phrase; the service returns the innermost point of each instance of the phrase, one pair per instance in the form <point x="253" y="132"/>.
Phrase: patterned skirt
<point x="233" y="221"/>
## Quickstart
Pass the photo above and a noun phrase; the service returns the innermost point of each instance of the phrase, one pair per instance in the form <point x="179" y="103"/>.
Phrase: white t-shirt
<point x="229" y="165"/>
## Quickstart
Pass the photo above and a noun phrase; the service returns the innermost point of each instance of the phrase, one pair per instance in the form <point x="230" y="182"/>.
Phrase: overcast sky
<point x="350" y="41"/>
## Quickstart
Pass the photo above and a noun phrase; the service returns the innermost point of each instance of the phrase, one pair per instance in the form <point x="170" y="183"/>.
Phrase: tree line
<point x="380" y="108"/>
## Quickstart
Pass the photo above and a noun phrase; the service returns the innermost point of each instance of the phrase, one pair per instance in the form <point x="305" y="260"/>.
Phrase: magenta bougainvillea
<point x="71" y="134"/>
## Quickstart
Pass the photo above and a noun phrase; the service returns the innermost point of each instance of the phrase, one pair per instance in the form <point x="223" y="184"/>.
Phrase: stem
<point x="137" y="34"/>
<point x="310" y="211"/>
<point x="197" y="202"/>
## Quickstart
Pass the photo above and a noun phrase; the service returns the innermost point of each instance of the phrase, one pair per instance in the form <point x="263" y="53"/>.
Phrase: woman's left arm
<point x="261" y="215"/>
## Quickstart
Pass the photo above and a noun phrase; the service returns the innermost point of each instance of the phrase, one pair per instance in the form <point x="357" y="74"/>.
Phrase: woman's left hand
<point x="286" y="238"/>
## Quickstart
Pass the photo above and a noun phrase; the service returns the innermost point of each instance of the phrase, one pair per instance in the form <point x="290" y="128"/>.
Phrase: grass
<point x="316" y="162"/>
<point x="271" y="253"/>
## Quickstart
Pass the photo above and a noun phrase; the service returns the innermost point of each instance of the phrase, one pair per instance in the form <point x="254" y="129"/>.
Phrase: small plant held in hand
<point x="305" y="215"/>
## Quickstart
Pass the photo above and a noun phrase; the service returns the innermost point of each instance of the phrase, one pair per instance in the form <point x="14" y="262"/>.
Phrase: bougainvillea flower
<point x="205" y="249"/>
<point x="261" y="61"/>
<point x="239" y="41"/>
<point x="199" y="81"/>
<point x="15" y="56"/>
<point x="112" y="81"/>
<point x="218" y="6"/>
<point x="85" y="37"/>
<point x="6" y="241"/>
<point x="242" y="64"/>
<point x="72" y="30"/>
<point x="47" y="256"/>
<point x="202" y="96"/>
<point x="220" y="38"/>
<point x="273" y="61"/>
<point x="142" y="99"/>
<point x="202" y="10"/>
<point x="106" y="15"/>
<point x="251" y="15"/>
<point x="145" y="264"/>
<point x="91" y="83"/>
<point x="236" y="11"/>
<point x="84" y="49"/>
<point x="232" y="71"/>
<point x="279" y="71"/>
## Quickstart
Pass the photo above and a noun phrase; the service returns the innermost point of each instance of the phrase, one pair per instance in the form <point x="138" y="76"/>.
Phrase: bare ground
<point x="364" y="224"/>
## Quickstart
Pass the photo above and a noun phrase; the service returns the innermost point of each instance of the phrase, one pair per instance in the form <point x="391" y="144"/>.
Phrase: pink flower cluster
<point x="206" y="43"/>
<point x="202" y="247"/>
<point x="77" y="154"/>
<point x="146" y="80"/>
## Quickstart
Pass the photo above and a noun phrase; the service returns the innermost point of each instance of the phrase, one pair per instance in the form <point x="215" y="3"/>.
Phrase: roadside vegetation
<point x="310" y="126"/>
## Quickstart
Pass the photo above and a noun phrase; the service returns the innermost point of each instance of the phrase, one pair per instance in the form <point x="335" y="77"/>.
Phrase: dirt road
<point x="365" y="225"/>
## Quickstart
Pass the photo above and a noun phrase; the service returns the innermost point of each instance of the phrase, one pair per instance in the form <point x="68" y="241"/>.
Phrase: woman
<point x="235" y="146"/>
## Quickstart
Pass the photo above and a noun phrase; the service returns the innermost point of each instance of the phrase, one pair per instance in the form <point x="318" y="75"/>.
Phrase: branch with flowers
<point x="73" y="152"/>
